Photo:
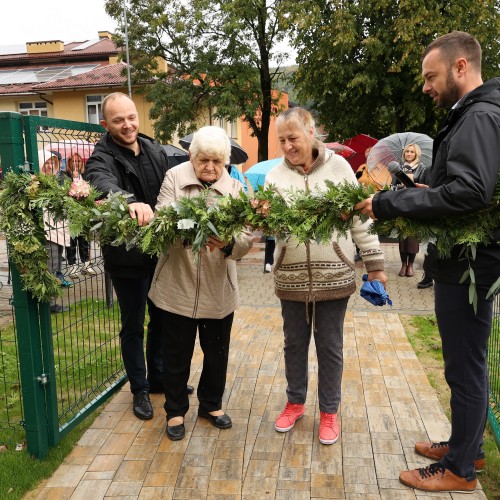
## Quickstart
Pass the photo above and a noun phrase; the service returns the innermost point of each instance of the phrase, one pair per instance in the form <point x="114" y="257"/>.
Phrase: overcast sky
<point x="40" y="20"/>
<point x="67" y="20"/>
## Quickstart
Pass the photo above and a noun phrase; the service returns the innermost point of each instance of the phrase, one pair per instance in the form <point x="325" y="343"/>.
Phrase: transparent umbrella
<point x="391" y="148"/>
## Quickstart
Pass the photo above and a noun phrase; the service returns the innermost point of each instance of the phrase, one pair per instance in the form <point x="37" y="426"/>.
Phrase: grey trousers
<point x="328" y="327"/>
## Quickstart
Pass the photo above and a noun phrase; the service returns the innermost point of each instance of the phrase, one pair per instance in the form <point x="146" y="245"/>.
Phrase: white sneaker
<point x="86" y="269"/>
<point x="268" y="268"/>
<point x="74" y="272"/>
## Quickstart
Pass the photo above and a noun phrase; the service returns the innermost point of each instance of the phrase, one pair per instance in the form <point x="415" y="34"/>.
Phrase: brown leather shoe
<point x="436" y="478"/>
<point x="436" y="451"/>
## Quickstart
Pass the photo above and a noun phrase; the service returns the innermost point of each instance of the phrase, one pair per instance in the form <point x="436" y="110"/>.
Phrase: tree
<point x="359" y="61"/>
<point x="219" y="56"/>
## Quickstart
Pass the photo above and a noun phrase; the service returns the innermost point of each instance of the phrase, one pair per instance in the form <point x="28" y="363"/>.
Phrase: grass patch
<point x="424" y="337"/>
<point x="21" y="473"/>
<point x="87" y="360"/>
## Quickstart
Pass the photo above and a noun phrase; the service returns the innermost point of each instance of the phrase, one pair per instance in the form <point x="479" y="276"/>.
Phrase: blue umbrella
<point x="256" y="174"/>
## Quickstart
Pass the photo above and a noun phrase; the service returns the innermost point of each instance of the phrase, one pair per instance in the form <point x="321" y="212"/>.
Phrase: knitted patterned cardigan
<point x="315" y="272"/>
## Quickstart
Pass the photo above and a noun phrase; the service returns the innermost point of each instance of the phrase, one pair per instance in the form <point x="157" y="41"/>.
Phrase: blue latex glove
<point x="374" y="292"/>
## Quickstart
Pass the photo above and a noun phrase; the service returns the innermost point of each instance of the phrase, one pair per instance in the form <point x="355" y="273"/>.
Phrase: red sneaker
<point x="329" y="429"/>
<point x="289" y="416"/>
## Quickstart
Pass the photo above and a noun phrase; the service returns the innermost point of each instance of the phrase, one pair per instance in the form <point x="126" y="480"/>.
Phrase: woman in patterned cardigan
<point x="314" y="281"/>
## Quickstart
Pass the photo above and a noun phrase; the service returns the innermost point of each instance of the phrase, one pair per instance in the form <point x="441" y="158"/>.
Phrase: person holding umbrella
<point x="462" y="180"/>
<point x="412" y="166"/>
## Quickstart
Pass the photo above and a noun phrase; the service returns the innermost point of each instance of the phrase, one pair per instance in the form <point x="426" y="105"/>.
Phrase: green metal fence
<point x="57" y="367"/>
<point x="494" y="372"/>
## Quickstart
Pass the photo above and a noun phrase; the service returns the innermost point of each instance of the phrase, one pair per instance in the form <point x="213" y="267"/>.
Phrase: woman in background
<point x="75" y="169"/>
<point x="408" y="247"/>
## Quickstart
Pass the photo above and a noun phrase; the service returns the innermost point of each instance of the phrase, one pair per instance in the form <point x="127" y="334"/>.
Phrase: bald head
<point x="121" y="120"/>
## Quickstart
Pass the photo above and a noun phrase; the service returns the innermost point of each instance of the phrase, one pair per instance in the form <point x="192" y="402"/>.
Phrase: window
<point x="94" y="108"/>
<point x="234" y="129"/>
<point x="38" y="108"/>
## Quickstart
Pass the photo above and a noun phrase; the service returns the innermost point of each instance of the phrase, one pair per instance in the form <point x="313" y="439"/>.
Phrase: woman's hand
<point x="379" y="276"/>
<point x="213" y="242"/>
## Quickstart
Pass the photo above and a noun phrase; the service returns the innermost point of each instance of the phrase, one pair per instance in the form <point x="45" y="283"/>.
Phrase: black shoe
<point x="56" y="308"/>
<point x="176" y="432"/>
<point x="219" y="421"/>
<point x="142" y="406"/>
<point x="425" y="282"/>
<point x="189" y="389"/>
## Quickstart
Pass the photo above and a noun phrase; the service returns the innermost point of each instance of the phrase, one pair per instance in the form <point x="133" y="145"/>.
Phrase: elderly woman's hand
<point x="213" y="242"/>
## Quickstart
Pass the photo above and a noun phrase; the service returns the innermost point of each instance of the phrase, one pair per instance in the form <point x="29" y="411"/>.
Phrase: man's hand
<point x="142" y="212"/>
<point x="365" y="207"/>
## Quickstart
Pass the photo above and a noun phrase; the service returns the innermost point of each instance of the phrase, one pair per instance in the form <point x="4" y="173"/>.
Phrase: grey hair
<point x="300" y="116"/>
<point x="211" y="140"/>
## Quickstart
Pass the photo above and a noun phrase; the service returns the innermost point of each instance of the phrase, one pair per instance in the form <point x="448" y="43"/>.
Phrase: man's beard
<point x="451" y="95"/>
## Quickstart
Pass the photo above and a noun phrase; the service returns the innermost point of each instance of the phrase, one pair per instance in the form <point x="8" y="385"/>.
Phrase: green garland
<point x="306" y="216"/>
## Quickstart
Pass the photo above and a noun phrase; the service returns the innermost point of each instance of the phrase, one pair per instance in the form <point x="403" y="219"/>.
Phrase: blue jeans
<point x="132" y="297"/>
<point x="464" y="337"/>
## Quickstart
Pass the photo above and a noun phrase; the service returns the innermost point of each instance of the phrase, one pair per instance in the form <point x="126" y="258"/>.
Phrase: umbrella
<point x="175" y="155"/>
<point x="257" y="173"/>
<point x="340" y="149"/>
<point x="359" y="143"/>
<point x="374" y="292"/>
<point x="391" y="149"/>
<point x="238" y="154"/>
<point x="68" y="147"/>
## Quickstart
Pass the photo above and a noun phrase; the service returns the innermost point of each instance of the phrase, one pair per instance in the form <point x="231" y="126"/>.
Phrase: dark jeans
<point x="83" y="249"/>
<point x="132" y="297"/>
<point x="464" y="336"/>
<point x="327" y="326"/>
<point x="179" y="336"/>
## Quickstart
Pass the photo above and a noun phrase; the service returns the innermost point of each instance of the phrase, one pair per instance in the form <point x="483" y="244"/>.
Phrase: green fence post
<point x="26" y="310"/>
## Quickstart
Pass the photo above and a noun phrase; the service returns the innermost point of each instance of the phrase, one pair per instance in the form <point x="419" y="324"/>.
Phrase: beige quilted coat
<point x="207" y="288"/>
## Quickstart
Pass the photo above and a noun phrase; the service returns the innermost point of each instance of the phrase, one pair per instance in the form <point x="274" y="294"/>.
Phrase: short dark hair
<point x="457" y="44"/>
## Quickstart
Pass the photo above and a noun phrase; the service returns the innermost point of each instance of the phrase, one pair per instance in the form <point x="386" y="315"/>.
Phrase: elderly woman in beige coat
<point x="198" y="294"/>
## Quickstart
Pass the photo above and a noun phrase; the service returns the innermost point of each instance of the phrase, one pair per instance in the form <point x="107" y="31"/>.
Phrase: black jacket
<point x="111" y="169"/>
<point x="462" y="179"/>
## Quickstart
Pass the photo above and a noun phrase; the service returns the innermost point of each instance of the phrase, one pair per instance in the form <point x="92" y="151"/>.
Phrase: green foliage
<point x="304" y="215"/>
<point x="359" y="62"/>
<point x="219" y="57"/>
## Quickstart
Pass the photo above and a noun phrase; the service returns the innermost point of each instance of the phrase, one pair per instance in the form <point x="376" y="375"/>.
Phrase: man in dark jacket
<point x="129" y="162"/>
<point x="466" y="161"/>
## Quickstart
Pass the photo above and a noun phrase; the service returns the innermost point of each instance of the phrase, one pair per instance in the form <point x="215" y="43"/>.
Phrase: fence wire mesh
<point x="79" y="343"/>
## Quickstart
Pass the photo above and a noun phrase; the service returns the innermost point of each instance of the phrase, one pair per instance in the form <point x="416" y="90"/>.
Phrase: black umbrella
<point x="175" y="155"/>
<point x="238" y="154"/>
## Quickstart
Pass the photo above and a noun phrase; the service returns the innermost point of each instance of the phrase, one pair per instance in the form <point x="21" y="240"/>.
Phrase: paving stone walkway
<point x="387" y="405"/>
